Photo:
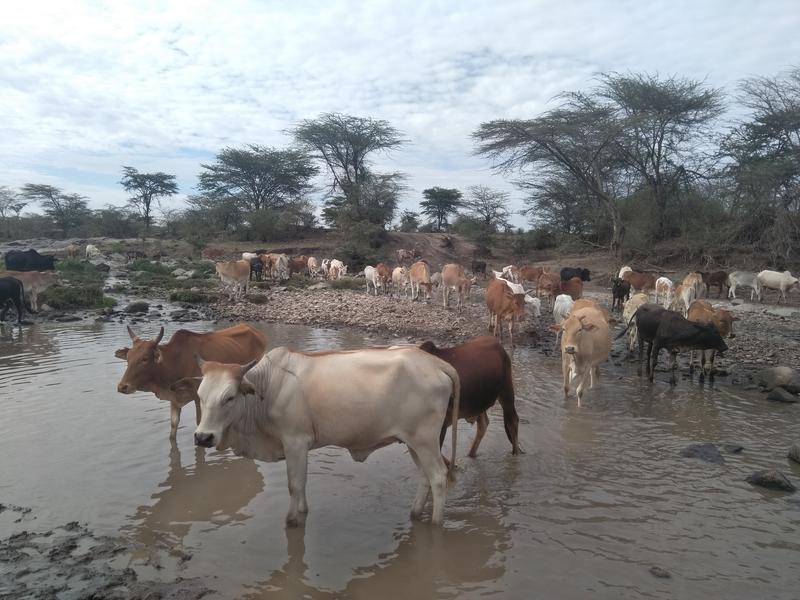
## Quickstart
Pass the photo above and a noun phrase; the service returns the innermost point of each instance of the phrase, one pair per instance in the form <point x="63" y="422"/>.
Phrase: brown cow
<point x="484" y="369"/>
<point x="717" y="278"/>
<point x="298" y="264"/>
<point x="549" y="285"/>
<point x="503" y="305"/>
<point x="640" y="282"/>
<point x="153" y="367"/>
<point x="419" y="275"/>
<point x="573" y="287"/>
<point x="384" y="276"/>
<point x="531" y="274"/>
<point x="452" y="274"/>
<point x="701" y="311"/>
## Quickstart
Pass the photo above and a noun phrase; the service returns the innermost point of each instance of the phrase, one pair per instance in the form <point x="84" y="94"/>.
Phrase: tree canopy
<point x="66" y="210"/>
<point x="439" y="204"/>
<point x="146" y="187"/>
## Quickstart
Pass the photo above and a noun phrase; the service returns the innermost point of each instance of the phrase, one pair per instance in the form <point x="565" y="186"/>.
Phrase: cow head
<point x="572" y="329"/>
<point x="143" y="359"/>
<point x="709" y="337"/>
<point x="585" y="275"/>
<point x="221" y="390"/>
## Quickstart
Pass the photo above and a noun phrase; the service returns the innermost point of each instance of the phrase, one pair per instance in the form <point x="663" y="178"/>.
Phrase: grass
<point x="71" y="297"/>
<point x="144" y="265"/>
<point x="77" y="272"/>
<point x="192" y="297"/>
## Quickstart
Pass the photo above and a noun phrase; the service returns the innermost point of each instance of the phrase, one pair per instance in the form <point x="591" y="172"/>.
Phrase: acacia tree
<point x="581" y="137"/>
<point x="67" y="210"/>
<point x="258" y="176"/>
<point x="10" y="203"/>
<point x="489" y="207"/>
<point x="409" y="221"/>
<point x="146" y="187"/>
<point x="439" y="204"/>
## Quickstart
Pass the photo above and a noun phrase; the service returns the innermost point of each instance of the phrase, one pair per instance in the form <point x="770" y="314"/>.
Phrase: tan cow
<point x="33" y="283"/>
<point x="384" y="274"/>
<point x="313" y="266"/>
<point x="591" y="303"/>
<point x="585" y="345"/>
<point x="154" y="367"/>
<point x="400" y="280"/>
<point x="628" y="310"/>
<point x="420" y="277"/>
<point x="298" y="264"/>
<point x="531" y="275"/>
<point x="504" y="305"/>
<point x="701" y="311"/>
<point x="235" y="277"/>
<point x="665" y="289"/>
<point x="694" y="280"/>
<point x="682" y="298"/>
<point x="452" y="274"/>
<point x="72" y="251"/>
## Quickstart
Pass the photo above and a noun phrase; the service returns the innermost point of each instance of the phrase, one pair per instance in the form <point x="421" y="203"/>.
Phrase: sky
<point x="87" y="86"/>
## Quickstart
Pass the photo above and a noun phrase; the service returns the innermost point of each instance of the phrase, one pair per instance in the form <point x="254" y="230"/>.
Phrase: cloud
<point x="88" y="87"/>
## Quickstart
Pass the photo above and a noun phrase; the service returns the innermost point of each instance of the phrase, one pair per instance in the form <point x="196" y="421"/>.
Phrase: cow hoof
<point x="472" y="454"/>
<point x="292" y="522"/>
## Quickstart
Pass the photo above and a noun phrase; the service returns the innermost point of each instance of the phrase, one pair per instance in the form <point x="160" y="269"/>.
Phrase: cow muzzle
<point x="570" y="349"/>
<point x="206" y="440"/>
<point x="125" y="388"/>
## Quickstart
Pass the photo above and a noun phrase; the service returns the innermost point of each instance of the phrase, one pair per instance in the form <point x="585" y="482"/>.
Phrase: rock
<point x="102" y="267"/>
<point x="319" y="286"/>
<point x="178" y="272"/>
<point x="780" y="394"/>
<point x="794" y="453"/>
<point x="784" y="377"/>
<point x="67" y="318"/>
<point x="139" y="306"/>
<point x="707" y="452"/>
<point x="732" y="448"/>
<point x="181" y="278"/>
<point x="771" y="479"/>
<point x="660" y="573"/>
<point x="153" y="314"/>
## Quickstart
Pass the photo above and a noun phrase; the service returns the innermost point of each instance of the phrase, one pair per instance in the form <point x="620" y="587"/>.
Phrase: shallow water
<point x="600" y="496"/>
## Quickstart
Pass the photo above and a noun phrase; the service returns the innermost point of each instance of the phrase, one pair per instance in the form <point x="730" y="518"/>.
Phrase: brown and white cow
<point x="572" y="287"/>
<point x="284" y="405"/>
<point x="34" y="283"/>
<point x="640" y="282"/>
<point x="235" y="277"/>
<point x="419" y="275"/>
<point x="701" y="311"/>
<point x="313" y="266"/>
<point x="153" y="367"/>
<point x="504" y="305"/>
<point x="585" y="345"/>
<point x="384" y="276"/>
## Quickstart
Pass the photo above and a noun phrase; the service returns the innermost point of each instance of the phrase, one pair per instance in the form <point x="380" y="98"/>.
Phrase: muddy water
<point x="600" y="496"/>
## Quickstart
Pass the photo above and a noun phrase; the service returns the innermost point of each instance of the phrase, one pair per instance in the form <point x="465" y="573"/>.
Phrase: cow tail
<point x="453" y="374"/>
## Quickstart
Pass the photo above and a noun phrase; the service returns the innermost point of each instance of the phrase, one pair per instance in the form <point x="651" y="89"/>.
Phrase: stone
<point x="178" y="272"/>
<point x="319" y="286"/>
<point x="771" y="479"/>
<point x="707" y="452"/>
<point x="780" y="394"/>
<point x="68" y="318"/>
<point x="138" y="306"/>
<point x="794" y="453"/>
<point x="660" y="573"/>
<point x="784" y="377"/>
<point x="102" y="267"/>
<point x="732" y="448"/>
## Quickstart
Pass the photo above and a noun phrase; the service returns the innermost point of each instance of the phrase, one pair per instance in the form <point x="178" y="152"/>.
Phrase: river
<point x="600" y="496"/>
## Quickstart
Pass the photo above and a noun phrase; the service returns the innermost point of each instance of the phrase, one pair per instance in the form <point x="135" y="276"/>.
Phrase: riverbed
<point x="600" y="497"/>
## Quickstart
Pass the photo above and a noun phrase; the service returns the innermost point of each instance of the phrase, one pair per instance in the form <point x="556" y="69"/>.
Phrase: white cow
<point x="325" y="266"/>
<point x="628" y="310"/>
<point x="561" y="309"/>
<point x="400" y="280"/>
<point x="282" y="266"/>
<point x="624" y="270"/>
<point x="510" y="272"/>
<point x="665" y="289"/>
<point x="313" y="266"/>
<point x="371" y="277"/>
<point x="775" y="280"/>
<point x="248" y="256"/>
<point x="93" y="251"/>
<point x="361" y="400"/>
<point x="340" y="268"/>
<point x="738" y="278"/>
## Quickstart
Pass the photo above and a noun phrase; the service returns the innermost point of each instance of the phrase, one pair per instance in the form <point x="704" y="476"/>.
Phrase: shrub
<point x="85" y="296"/>
<point x="142" y="264"/>
<point x="192" y="297"/>
<point x="78" y="272"/>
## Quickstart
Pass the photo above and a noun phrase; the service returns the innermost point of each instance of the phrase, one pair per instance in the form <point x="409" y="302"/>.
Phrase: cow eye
<point x="227" y="399"/>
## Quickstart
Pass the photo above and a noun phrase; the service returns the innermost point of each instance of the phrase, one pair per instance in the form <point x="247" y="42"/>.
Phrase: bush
<point x="85" y="296"/>
<point x="192" y="297"/>
<point x="142" y="264"/>
<point x="150" y="279"/>
<point x="78" y="272"/>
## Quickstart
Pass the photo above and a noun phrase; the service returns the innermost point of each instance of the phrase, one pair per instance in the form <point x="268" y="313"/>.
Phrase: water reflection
<point x="208" y="491"/>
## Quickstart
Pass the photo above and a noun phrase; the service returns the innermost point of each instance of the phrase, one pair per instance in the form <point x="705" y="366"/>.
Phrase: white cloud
<point x="90" y="86"/>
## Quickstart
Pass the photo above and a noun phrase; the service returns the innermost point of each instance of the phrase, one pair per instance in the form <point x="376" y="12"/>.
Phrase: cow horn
<point x="248" y="366"/>
<point x="134" y="337"/>
<point x="160" y="335"/>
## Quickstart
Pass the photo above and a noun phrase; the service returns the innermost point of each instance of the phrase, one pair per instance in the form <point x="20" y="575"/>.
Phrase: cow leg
<point x="296" y="474"/>
<point x="482" y="423"/>
<point x="433" y="466"/>
<point x="673" y="361"/>
<point x="652" y="359"/>
<point x="565" y="372"/>
<point x="174" y="420"/>
<point x="510" y="422"/>
<point x="691" y="360"/>
<point x="423" y="487"/>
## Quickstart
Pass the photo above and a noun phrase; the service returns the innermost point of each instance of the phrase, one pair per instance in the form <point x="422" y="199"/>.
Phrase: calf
<point x="371" y="278"/>
<point x="568" y="273"/>
<point x="452" y="275"/>
<point x="620" y="292"/>
<point x="573" y="287"/>
<point x="400" y="280"/>
<point x="743" y="278"/>
<point x="585" y="344"/>
<point x="717" y="278"/>
<point x="484" y="370"/>
<point x="12" y="290"/>
<point x="702" y="312"/>
<point x="775" y="280"/>
<point x="420" y="277"/>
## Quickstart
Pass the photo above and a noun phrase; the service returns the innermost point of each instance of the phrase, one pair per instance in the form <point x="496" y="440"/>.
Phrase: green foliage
<point x="192" y="297"/>
<point x="142" y="264"/>
<point x="77" y="272"/>
<point x="439" y="204"/>
<point x="146" y="187"/>
<point x="409" y="222"/>
<point x="66" y="210"/>
<point x="76" y="297"/>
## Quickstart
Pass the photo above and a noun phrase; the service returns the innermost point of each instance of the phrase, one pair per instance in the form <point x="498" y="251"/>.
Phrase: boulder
<point x="733" y="448"/>
<point x="319" y="286"/>
<point x="780" y="394"/>
<point x="102" y="267"/>
<point x="707" y="452"/>
<point x="771" y="479"/>
<point x="794" y="453"/>
<point x="659" y="572"/>
<point x="139" y="306"/>
<point x="784" y="377"/>
<point x="178" y="272"/>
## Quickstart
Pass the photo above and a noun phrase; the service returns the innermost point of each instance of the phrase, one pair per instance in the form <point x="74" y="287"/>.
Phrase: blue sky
<point x="86" y="87"/>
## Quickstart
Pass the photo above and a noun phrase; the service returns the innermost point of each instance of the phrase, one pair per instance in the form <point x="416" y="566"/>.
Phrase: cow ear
<point x="246" y="388"/>
<point x="588" y="326"/>
<point x="556" y="328"/>
<point x="122" y="353"/>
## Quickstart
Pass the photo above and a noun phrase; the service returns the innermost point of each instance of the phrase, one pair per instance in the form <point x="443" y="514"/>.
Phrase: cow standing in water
<point x="153" y="367"/>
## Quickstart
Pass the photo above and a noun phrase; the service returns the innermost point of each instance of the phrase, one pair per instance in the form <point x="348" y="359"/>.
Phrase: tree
<point x="439" y="204"/>
<point x="581" y="137"/>
<point x="10" y="202"/>
<point x="662" y="121"/>
<point x="409" y="221"/>
<point x="375" y="203"/>
<point x="258" y="176"/>
<point x="489" y="207"/>
<point x="145" y="188"/>
<point x="67" y="210"/>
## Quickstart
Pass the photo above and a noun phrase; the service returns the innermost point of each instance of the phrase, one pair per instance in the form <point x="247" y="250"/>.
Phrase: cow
<point x="549" y="285"/>
<point x="313" y="266"/>
<point x="400" y="280"/>
<point x="531" y="274"/>
<point x="249" y="255"/>
<point x="573" y="287"/>
<point x="407" y="255"/>
<point x="72" y="251"/>
<point x="465" y="289"/>
<point x="92" y="251"/>
<point x="33" y="282"/>
<point x="484" y="371"/>
<point x="154" y="367"/>
<point x="717" y="278"/>
<point x="640" y="282"/>
<point x="341" y="268"/>
<point x="284" y="405"/>
<point x="620" y="293"/>
<point x="622" y="271"/>
<point x="665" y="289"/>
<point x="29" y="260"/>
<point x="256" y="268"/>
<point x="743" y="278"/>
<point x="298" y="264"/>
<point x="436" y="280"/>
<point x="504" y="304"/>
<point x="676" y="333"/>
<point x="695" y="280"/>
<point x="131" y="255"/>
<point x="478" y="267"/>
<point x="371" y="278"/>
<point x="235" y="277"/>
<point x="775" y="280"/>
<point x="511" y="272"/>
<point x="452" y="275"/>
<point x="268" y="265"/>
<point x="561" y="309"/>
<point x="592" y="303"/>
<point x="384" y="276"/>
<point x="683" y="297"/>
<point x="585" y="345"/>
<point x="325" y="266"/>
<point x="646" y="319"/>
<point x="568" y="273"/>
<point x="281" y="266"/>
<point x="419" y="276"/>
<point x="628" y="310"/>
<point x="13" y="291"/>
<point x="701" y="311"/>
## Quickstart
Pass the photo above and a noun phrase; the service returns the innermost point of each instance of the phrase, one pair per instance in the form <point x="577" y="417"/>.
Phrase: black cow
<point x="11" y="290"/>
<point x="256" y="268"/>
<point x="29" y="260"/>
<point x="479" y="266"/>
<point x="568" y="273"/>
<point x="675" y="333"/>
<point x="620" y="293"/>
